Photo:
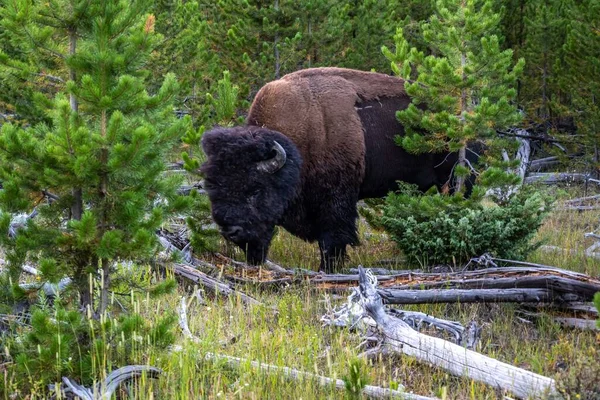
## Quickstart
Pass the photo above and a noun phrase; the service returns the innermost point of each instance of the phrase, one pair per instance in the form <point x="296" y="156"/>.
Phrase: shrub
<point x="437" y="228"/>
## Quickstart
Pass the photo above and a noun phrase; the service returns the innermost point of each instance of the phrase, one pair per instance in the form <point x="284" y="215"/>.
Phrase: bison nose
<point x="232" y="232"/>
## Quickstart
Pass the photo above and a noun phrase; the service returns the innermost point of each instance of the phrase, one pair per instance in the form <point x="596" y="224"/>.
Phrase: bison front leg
<point x="332" y="254"/>
<point x="333" y="247"/>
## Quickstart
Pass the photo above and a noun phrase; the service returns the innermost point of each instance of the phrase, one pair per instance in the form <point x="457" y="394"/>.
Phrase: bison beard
<point x="316" y="141"/>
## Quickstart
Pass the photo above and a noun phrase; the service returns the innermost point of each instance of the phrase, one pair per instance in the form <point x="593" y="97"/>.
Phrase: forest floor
<point x="295" y="337"/>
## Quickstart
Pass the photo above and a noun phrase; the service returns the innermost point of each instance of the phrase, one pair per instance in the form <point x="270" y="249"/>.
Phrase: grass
<point x="295" y="337"/>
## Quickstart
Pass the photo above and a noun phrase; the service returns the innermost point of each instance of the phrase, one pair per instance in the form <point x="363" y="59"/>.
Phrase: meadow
<point x="293" y="335"/>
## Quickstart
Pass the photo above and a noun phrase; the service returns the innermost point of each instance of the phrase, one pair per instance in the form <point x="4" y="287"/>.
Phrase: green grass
<point x="295" y="337"/>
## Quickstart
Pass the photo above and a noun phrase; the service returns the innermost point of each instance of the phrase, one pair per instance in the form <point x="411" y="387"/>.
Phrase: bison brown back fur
<point x="336" y="127"/>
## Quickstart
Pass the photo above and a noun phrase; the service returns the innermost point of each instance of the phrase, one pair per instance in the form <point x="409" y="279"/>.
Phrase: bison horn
<point x="275" y="163"/>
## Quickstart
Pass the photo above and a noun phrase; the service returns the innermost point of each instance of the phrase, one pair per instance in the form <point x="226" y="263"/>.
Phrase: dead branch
<point x="217" y="287"/>
<point x="582" y="199"/>
<point x="189" y="272"/>
<point x="351" y="315"/>
<point x="106" y="388"/>
<point x="398" y="336"/>
<point x="556" y="177"/>
<point x="578" y="323"/>
<point x="564" y="285"/>
<point x="186" y="189"/>
<point x="432" y="296"/>
<point x="578" y="208"/>
<point x="540" y="163"/>
<point x="589" y="252"/>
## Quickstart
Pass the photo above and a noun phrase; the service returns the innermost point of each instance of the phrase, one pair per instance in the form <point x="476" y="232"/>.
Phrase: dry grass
<point x="294" y="336"/>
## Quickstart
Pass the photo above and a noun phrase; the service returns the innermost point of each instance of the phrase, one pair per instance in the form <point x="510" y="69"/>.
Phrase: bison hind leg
<point x="332" y="246"/>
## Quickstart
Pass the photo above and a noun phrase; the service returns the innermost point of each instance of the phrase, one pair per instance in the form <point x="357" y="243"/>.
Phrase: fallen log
<point x="432" y="296"/>
<point x="582" y="199"/>
<point x="106" y="388"/>
<point x="527" y="283"/>
<point x="543" y="162"/>
<point x="562" y="284"/>
<point x="217" y="287"/>
<point x="556" y="177"/>
<point x="399" y="337"/>
<point x="187" y="271"/>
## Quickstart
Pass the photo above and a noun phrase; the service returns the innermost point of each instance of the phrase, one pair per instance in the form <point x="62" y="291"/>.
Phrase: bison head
<point x="251" y="176"/>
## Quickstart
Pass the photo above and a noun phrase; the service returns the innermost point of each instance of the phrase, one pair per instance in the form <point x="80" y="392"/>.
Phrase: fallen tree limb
<point x="562" y="284"/>
<point x="295" y="374"/>
<point x="543" y="162"/>
<point x="190" y="273"/>
<point x="351" y="315"/>
<point x="432" y="296"/>
<point x="106" y="388"/>
<point x="218" y="288"/>
<point x="556" y="177"/>
<point x="583" y="199"/>
<point x="292" y="373"/>
<point x="591" y="253"/>
<point x="397" y="336"/>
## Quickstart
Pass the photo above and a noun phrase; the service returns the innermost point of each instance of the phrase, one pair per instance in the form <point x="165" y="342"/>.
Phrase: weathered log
<point x="217" y="287"/>
<point x="578" y="323"/>
<point x="399" y="337"/>
<point x="578" y="208"/>
<point x="236" y="362"/>
<point x="106" y="388"/>
<point x="432" y="296"/>
<point x="190" y="273"/>
<point x="556" y="177"/>
<point x="582" y="199"/>
<point x="351" y="315"/>
<point x="564" y="285"/>
<point x="543" y="162"/>
<point x="186" y="189"/>
<point x="589" y="252"/>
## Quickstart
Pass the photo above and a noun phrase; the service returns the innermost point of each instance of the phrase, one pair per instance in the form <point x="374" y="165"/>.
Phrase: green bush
<point x="436" y="228"/>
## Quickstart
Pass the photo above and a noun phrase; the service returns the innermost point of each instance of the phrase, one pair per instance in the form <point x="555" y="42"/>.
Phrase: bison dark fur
<point x="316" y="141"/>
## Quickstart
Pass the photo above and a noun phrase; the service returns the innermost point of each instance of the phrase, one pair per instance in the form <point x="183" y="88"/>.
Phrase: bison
<point x="314" y="143"/>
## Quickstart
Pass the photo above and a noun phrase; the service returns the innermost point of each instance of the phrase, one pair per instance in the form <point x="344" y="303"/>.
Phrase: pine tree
<point x="101" y="157"/>
<point x="467" y="85"/>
